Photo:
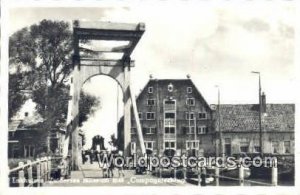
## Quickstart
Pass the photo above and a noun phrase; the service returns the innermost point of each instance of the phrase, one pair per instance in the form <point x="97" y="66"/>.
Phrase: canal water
<point x="251" y="182"/>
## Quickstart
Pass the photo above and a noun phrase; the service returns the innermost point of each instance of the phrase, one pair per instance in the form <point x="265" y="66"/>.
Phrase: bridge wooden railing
<point x="32" y="173"/>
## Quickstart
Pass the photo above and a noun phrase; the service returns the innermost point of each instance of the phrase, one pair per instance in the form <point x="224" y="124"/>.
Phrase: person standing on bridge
<point x="83" y="156"/>
<point x="91" y="156"/>
<point x="120" y="165"/>
<point x="111" y="165"/>
<point x="62" y="169"/>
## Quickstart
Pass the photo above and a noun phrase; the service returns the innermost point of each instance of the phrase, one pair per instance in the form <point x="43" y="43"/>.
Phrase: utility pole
<point x="220" y="148"/>
<point x="260" y="109"/>
<point x="117" y="119"/>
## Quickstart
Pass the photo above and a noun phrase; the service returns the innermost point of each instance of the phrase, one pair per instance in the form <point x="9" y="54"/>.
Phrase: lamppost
<point x="220" y="147"/>
<point x="260" y="110"/>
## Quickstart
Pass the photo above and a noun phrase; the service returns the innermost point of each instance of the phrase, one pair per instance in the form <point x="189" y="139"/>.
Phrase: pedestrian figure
<point x="96" y="154"/>
<point x="91" y="156"/>
<point x="203" y="177"/>
<point x="104" y="166"/>
<point x="120" y="168"/>
<point x="111" y="165"/>
<point x="62" y="169"/>
<point x="83" y="156"/>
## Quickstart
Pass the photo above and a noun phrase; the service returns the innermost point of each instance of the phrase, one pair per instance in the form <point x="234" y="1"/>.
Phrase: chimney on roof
<point x="263" y="103"/>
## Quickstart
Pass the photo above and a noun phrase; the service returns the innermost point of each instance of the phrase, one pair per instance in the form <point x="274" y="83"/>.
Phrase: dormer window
<point x="170" y="87"/>
<point x="189" y="90"/>
<point x="150" y="89"/>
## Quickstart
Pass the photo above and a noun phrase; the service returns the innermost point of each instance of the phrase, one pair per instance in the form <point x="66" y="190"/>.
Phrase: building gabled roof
<point x="175" y="82"/>
<point x="245" y="117"/>
<point x="31" y="122"/>
<point x="13" y="125"/>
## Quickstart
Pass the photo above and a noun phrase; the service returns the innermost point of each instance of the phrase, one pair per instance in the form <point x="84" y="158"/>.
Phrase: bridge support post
<point x="127" y="110"/>
<point x="241" y="175"/>
<point x="274" y="174"/>
<point x="75" y="107"/>
<point x="75" y="150"/>
<point x="21" y="177"/>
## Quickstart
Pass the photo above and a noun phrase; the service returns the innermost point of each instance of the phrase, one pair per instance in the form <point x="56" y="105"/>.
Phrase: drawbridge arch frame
<point x="85" y="67"/>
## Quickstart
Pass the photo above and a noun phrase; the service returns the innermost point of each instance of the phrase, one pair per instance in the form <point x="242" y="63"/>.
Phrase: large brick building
<point x="174" y="117"/>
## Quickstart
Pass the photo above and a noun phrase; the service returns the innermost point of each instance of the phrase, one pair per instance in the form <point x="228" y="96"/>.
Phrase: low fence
<point x="31" y="174"/>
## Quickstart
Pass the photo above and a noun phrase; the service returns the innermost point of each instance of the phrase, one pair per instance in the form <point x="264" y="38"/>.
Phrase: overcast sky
<point x="216" y="44"/>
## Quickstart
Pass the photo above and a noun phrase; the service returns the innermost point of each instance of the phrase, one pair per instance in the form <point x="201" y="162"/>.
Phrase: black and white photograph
<point x="196" y="94"/>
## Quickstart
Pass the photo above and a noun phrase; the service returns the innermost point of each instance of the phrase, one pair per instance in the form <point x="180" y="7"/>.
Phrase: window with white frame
<point x="150" y="130"/>
<point x="244" y="147"/>
<point x="192" y="144"/>
<point x="150" y="116"/>
<point x="170" y="145"/>
<point x="169" y="115"/>
<point x="190" y="101"/>
<point x="150" y="102"/>
<point x="150" y="89"/>
<point x="191" y="130"/>
<point x="189" y="116"/>
<point x="202" y="129"/>
<point x="202" y="115"/>
<point x="256" y="149"/>
<point x="169" y="105"/>
<point x="149" y="145"/>
<point x="287" y="147"/>
<point x="189" y="89"/>
<point x="275" y="147"/>
<point x="169" y="130"/>
<point x="29" y="151"/>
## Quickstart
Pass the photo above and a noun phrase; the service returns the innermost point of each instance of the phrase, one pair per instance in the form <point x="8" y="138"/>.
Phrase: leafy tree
<point x="87" y="105"/>
<point x="16" y="95"/>
<point x="40" y="60"/>
<point x="44" y="51"/>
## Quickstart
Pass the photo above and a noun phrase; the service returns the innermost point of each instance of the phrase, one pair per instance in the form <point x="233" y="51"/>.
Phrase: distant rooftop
<point x="245" y="117"/>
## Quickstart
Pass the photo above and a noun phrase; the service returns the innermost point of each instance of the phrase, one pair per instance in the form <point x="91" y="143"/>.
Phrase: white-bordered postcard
<point x="149" y="97"/>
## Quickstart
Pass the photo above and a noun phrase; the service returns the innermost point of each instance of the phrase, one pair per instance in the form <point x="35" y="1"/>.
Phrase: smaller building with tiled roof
<point x="239" y="124"/>
<point x="27" y="136"/>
